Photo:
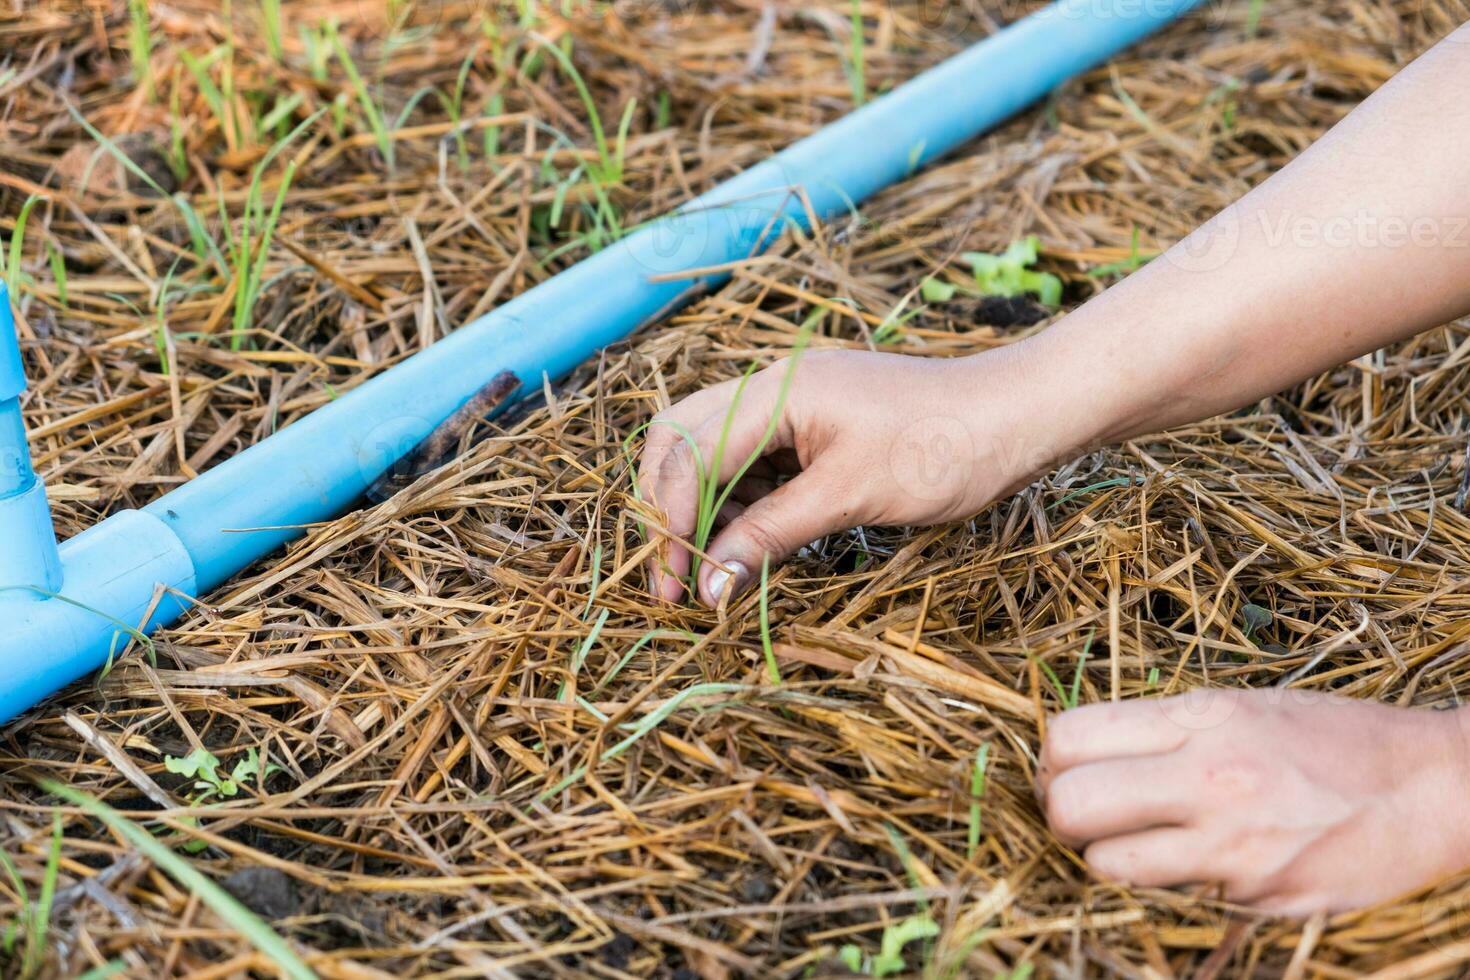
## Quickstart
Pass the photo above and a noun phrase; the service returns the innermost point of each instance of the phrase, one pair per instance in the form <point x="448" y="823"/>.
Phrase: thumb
<point x="791" y="516"/>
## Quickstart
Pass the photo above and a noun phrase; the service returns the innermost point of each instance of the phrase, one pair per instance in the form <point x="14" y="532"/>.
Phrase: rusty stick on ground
<point x="441" y="445"/>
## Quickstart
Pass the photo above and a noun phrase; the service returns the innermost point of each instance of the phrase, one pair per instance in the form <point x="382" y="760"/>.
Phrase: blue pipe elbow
<point x="124" y="576"/>
<point x="28" y="553"/>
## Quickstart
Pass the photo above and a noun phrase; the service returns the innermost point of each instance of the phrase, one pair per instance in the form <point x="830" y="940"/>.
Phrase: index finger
<point x="1109" y="730"/>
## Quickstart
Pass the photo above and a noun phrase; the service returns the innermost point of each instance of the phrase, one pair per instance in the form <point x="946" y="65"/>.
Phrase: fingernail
<point x="719" y="580"/>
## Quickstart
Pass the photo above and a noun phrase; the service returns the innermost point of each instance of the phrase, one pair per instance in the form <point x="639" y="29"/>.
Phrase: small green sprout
<point x="711" y="497"/>
<point x="58" y="271"/>
<point x="13" y="274"/>
<point x="892" y="326"/>
<point x="1224" y="94"/>
<point x="35" y="916"/>
<point x="270" y="19"/>
<point x="1256" y="618"/>
<point x="772" y="668"/>
<point x="890" y="959"/>
<point x="203" y="766"/>
<point x="227" y="907"/>
<point x="1132" y="263"/>
<point x="140" y="45"/>
<point x="1253" y="17"/>
<point x="1007" y="275"/>
<point x="1069" y="698"/>
<point x="977" y="790"/>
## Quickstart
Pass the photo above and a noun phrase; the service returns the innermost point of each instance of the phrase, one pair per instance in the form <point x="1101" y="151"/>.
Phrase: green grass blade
<point x="41" y="911"/>
<point x="17" y="244"/>
<point x="594" y="120"/>
<point x="646" y="725"/>
<point x="221" y="902"/>
<point x="977" y="790"/>
<point x="370" y="109"/>
<point x="803" y="336"/>
<point x="643" y="641"/>
<point x="58" y="271"/>
<point x="772" y="668"/>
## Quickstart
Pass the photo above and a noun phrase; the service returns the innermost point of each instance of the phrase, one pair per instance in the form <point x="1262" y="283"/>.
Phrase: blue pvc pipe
<point x="211" y="528"/>
<point x="28" y="552"/>
<point x="15" y="457"/>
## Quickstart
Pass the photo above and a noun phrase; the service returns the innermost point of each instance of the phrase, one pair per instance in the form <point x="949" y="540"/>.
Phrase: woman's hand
<point x="863" y="438"/>
<point x="1295" y="801"/>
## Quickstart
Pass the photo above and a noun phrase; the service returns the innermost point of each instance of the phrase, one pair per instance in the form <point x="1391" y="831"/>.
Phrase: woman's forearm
<point x="1362" y="240"/>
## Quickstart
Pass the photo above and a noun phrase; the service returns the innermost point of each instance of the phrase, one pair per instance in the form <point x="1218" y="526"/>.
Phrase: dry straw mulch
<point x="454" y="795"/>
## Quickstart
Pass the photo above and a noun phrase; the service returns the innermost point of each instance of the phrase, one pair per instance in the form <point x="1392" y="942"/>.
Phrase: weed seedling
<point x="1006" y="275"/>
<point x="1069" y="698"/>
<point x="892" y="325"/>
<point x="249" y="245"/>
<point x="642" y="728"/>
<point x="1117" y="481"/>
<point x="1253" y="17"/>
<point x="896" y="935"/>
<point x="711" y="497"/>
<point x="857" y="75"/>
<point x="233" y="914"/>
<point x="772" y="668"/>
<point x="977" y="790"/>
<point x="58" y="271"/>
<point x="596" y="580"/>
<point x="270" y="20"/>
<point x="17" y="245"/>
<point x="1132" y="263"/>
<point x="203" y="766"/>
<point x="1256" y="618"/>
<point x="204" y="245"/>
<point x="372" y="112"/>
<point x="1224" y="95"/>
<point x="607" y="171"/>
<point x="140" y="45"/>
<point x="35" y="917"/>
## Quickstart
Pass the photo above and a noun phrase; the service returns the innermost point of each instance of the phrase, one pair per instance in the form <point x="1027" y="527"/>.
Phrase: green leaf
<point x="201" y="760"/>
<point x="1256" y="618"/>
<point x="937" y="290"/>
<point x="895" y="937"/>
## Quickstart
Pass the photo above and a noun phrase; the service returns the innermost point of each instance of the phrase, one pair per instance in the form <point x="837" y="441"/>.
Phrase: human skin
<point x="1294" y="803"/>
